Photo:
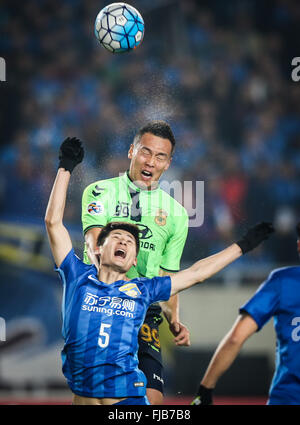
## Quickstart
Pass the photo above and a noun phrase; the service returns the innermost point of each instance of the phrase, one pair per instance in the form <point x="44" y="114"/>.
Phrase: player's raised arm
<point x="71" y="153"/>
<point x="204" y="269"/>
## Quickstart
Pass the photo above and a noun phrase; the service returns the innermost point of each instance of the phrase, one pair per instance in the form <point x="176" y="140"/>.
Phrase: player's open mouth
<point x="146" y="174"/>
<point x="120" y="253"/>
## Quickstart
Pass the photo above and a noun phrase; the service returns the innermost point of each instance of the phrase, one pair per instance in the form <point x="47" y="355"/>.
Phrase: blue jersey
<point x="100" y="327"/>
<point x="279" y="297"/>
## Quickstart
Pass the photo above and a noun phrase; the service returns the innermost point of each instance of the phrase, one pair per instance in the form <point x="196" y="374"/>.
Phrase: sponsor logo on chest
<point x="110" y="305"/>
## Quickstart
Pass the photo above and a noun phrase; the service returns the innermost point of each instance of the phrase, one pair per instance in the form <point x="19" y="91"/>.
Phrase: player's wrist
<point x="67" y="164"/>
<point x="174" y="325"/>
<point x="244" y="246"/>
<point x="62" y="169"/>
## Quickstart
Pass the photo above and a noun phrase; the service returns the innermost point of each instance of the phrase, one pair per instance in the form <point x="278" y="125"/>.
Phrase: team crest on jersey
<point x="95" y="208"/>
<point x="131" y="290"/>
<point x="161" y="217"/>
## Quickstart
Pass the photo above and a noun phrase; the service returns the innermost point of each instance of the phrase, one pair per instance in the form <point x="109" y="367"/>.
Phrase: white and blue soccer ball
<point x="119" y="27"/>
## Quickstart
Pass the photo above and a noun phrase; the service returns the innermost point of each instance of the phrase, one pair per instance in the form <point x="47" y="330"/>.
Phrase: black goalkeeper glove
<point x="255" y="236"/>
<point x="71" y="153"/>
<point x="203" y="397"/>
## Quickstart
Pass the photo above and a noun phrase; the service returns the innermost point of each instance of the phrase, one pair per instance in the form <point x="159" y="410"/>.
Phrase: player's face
<point x="150" y="157"/>
<point x="118" y="251"/>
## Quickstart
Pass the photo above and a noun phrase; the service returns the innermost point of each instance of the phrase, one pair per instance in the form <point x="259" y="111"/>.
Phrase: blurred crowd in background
<point x="218" y="72"/>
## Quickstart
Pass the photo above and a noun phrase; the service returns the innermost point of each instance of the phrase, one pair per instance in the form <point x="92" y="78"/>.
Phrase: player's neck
<point x="108" y="275"/>
<point x="140" y="185"/>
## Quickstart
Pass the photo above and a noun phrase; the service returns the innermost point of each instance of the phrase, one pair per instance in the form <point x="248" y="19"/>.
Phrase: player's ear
<point x="98" y="250"/>
<point x="135" y="262"/>
<point x="130" y="152"/>
<point x="168" y="164"/>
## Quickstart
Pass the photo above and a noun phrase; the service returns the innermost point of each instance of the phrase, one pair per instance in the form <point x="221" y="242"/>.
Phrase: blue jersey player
<point x="103" y="310"/>
<point x="278" y="297"/>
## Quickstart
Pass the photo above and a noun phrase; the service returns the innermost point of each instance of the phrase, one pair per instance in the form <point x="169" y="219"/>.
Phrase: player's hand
<point x="71" y="153"/>
<point x="204" y="397"/>
<point x="255" y="236"/>
<point x="181" y="333"/>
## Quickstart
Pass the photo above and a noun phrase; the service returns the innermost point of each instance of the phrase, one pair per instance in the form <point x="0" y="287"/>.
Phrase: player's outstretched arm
<point x="204" y="269"/>
<point x="225" y="354"/>
<point x="71" y="153"/>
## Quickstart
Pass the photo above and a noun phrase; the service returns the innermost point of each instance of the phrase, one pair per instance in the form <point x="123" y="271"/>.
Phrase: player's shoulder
<point x="72" y="259"/>
<point x="139" y="280"/>
<point x="101" y="185"/>
<point x="284" y="272"/>
<point x="148" y="280"/>
<point x="80" y="261"/>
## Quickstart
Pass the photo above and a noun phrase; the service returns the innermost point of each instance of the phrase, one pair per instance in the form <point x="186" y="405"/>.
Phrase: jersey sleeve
<point x="264" y="303"/>
<point x="70" y="269"/>
<point x="159" y="288"/>
<point x="173" y="251"/>
<point x="94" y="212"/>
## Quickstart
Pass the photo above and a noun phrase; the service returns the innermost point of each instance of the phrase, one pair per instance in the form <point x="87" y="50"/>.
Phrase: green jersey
<point x="163" y="222"/>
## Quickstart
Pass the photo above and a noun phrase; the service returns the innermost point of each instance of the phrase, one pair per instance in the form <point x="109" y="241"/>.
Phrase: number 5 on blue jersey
<point x="103" y="342"/>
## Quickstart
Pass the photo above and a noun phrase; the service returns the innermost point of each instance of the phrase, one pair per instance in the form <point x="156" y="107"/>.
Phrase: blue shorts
<point x="134" y="400"/>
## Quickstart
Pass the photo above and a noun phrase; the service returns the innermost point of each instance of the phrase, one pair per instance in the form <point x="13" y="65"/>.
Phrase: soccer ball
<point x="119" y="27"/>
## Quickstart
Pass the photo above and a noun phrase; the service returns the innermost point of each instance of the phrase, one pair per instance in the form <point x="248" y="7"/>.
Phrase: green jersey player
<point x="136" y="197"/>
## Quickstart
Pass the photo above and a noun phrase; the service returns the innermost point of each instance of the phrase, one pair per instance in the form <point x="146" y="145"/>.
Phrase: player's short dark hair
<point x="158" y="128"/>
<point x="115" y="225"/>
<point x="298" y="229"/>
